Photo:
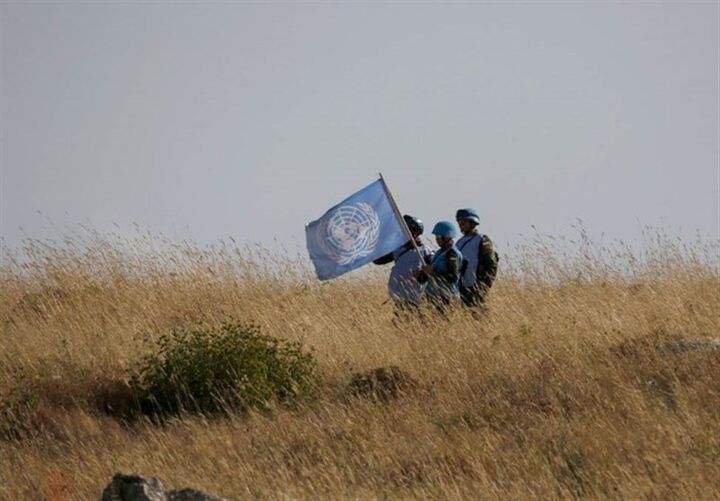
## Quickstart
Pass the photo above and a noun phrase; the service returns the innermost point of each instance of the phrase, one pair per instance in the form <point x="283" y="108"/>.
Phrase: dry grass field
<point x="594" y="375"/>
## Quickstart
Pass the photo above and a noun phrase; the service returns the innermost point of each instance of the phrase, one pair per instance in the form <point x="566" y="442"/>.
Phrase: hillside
<point x="594" y="374"/>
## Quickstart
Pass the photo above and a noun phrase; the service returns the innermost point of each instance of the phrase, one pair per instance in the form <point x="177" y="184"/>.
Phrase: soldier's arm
<point x="420" y="275"/>
<point x="487" y="263"/>
<point x="387" y="258"/>
<point x="455" y="262"/>
<point x="428" y="257"/>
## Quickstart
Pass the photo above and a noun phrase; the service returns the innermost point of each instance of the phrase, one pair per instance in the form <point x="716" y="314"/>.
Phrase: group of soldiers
<point x="459" y="272"/>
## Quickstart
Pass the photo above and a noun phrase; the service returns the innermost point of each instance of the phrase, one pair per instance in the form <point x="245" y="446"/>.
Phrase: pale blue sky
<point x="248" y="119"/>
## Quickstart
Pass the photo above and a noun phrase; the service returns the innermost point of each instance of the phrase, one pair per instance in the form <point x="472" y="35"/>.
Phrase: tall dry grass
<point x="593" y="375"/>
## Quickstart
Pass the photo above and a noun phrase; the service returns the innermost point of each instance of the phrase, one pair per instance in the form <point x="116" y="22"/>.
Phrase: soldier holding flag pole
<point x="405" y="291"/>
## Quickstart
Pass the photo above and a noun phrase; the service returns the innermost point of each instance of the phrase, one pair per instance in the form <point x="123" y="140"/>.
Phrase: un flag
<point x="359" y="229"/>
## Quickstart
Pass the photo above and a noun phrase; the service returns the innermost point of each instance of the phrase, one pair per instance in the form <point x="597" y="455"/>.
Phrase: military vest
<point x="438" y="287"/>
<point x="469" y="245"/>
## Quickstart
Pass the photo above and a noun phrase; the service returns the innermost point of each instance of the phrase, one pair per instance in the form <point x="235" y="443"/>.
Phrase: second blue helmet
<point x="444" y="229"/>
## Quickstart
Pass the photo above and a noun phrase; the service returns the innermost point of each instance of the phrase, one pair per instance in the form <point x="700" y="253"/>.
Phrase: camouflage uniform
<point x="442" y="288"/>
<point x="479" y="254"/>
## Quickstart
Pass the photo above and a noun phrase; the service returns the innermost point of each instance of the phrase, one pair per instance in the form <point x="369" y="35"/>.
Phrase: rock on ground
<point x="136" y="488"/>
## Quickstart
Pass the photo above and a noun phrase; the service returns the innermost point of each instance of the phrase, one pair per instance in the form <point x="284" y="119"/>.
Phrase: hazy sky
<point x="249" y="119"/>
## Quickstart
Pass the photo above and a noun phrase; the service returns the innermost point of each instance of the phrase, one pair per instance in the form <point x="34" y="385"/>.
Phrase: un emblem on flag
<point x="350" y="232"/>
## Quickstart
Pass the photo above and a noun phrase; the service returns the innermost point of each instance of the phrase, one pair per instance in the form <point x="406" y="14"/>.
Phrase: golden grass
<point x="576" y="384"/>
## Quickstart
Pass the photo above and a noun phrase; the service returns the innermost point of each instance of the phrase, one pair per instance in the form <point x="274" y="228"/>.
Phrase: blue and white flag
<point x="359" y="229"/>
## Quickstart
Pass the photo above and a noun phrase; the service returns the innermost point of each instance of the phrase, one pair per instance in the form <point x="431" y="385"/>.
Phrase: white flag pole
<point x="398" y="215"/>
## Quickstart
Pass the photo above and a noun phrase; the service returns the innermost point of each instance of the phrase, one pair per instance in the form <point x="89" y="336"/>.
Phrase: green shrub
<point x="18" y="413"/>
<point x="219" y="370"/>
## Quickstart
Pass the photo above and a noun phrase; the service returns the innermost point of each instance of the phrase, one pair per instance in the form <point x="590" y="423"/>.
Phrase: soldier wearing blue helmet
<point x="405" y="291"/>
<point x="481" y="260"/>
<point x="443" y="273"/>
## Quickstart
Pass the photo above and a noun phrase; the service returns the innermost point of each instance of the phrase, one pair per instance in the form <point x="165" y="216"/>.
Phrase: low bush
<point x="230" y="368"/>
<point x="18" y="413"/>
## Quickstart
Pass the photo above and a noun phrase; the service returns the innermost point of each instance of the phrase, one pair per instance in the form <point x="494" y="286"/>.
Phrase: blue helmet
<point x="469" y="214"/>
<point x="445" y="229"/>
<point x="414" y="224"/>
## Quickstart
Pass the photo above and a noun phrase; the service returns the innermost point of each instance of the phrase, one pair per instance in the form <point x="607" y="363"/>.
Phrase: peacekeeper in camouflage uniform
<point x="481" y="260"/>
<point x="443" y="273"/>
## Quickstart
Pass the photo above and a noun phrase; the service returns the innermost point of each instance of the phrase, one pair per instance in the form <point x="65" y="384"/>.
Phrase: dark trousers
<point x="443" y="305"/>
<point x="473" y="297"/>
<point x="406" y="312"/>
